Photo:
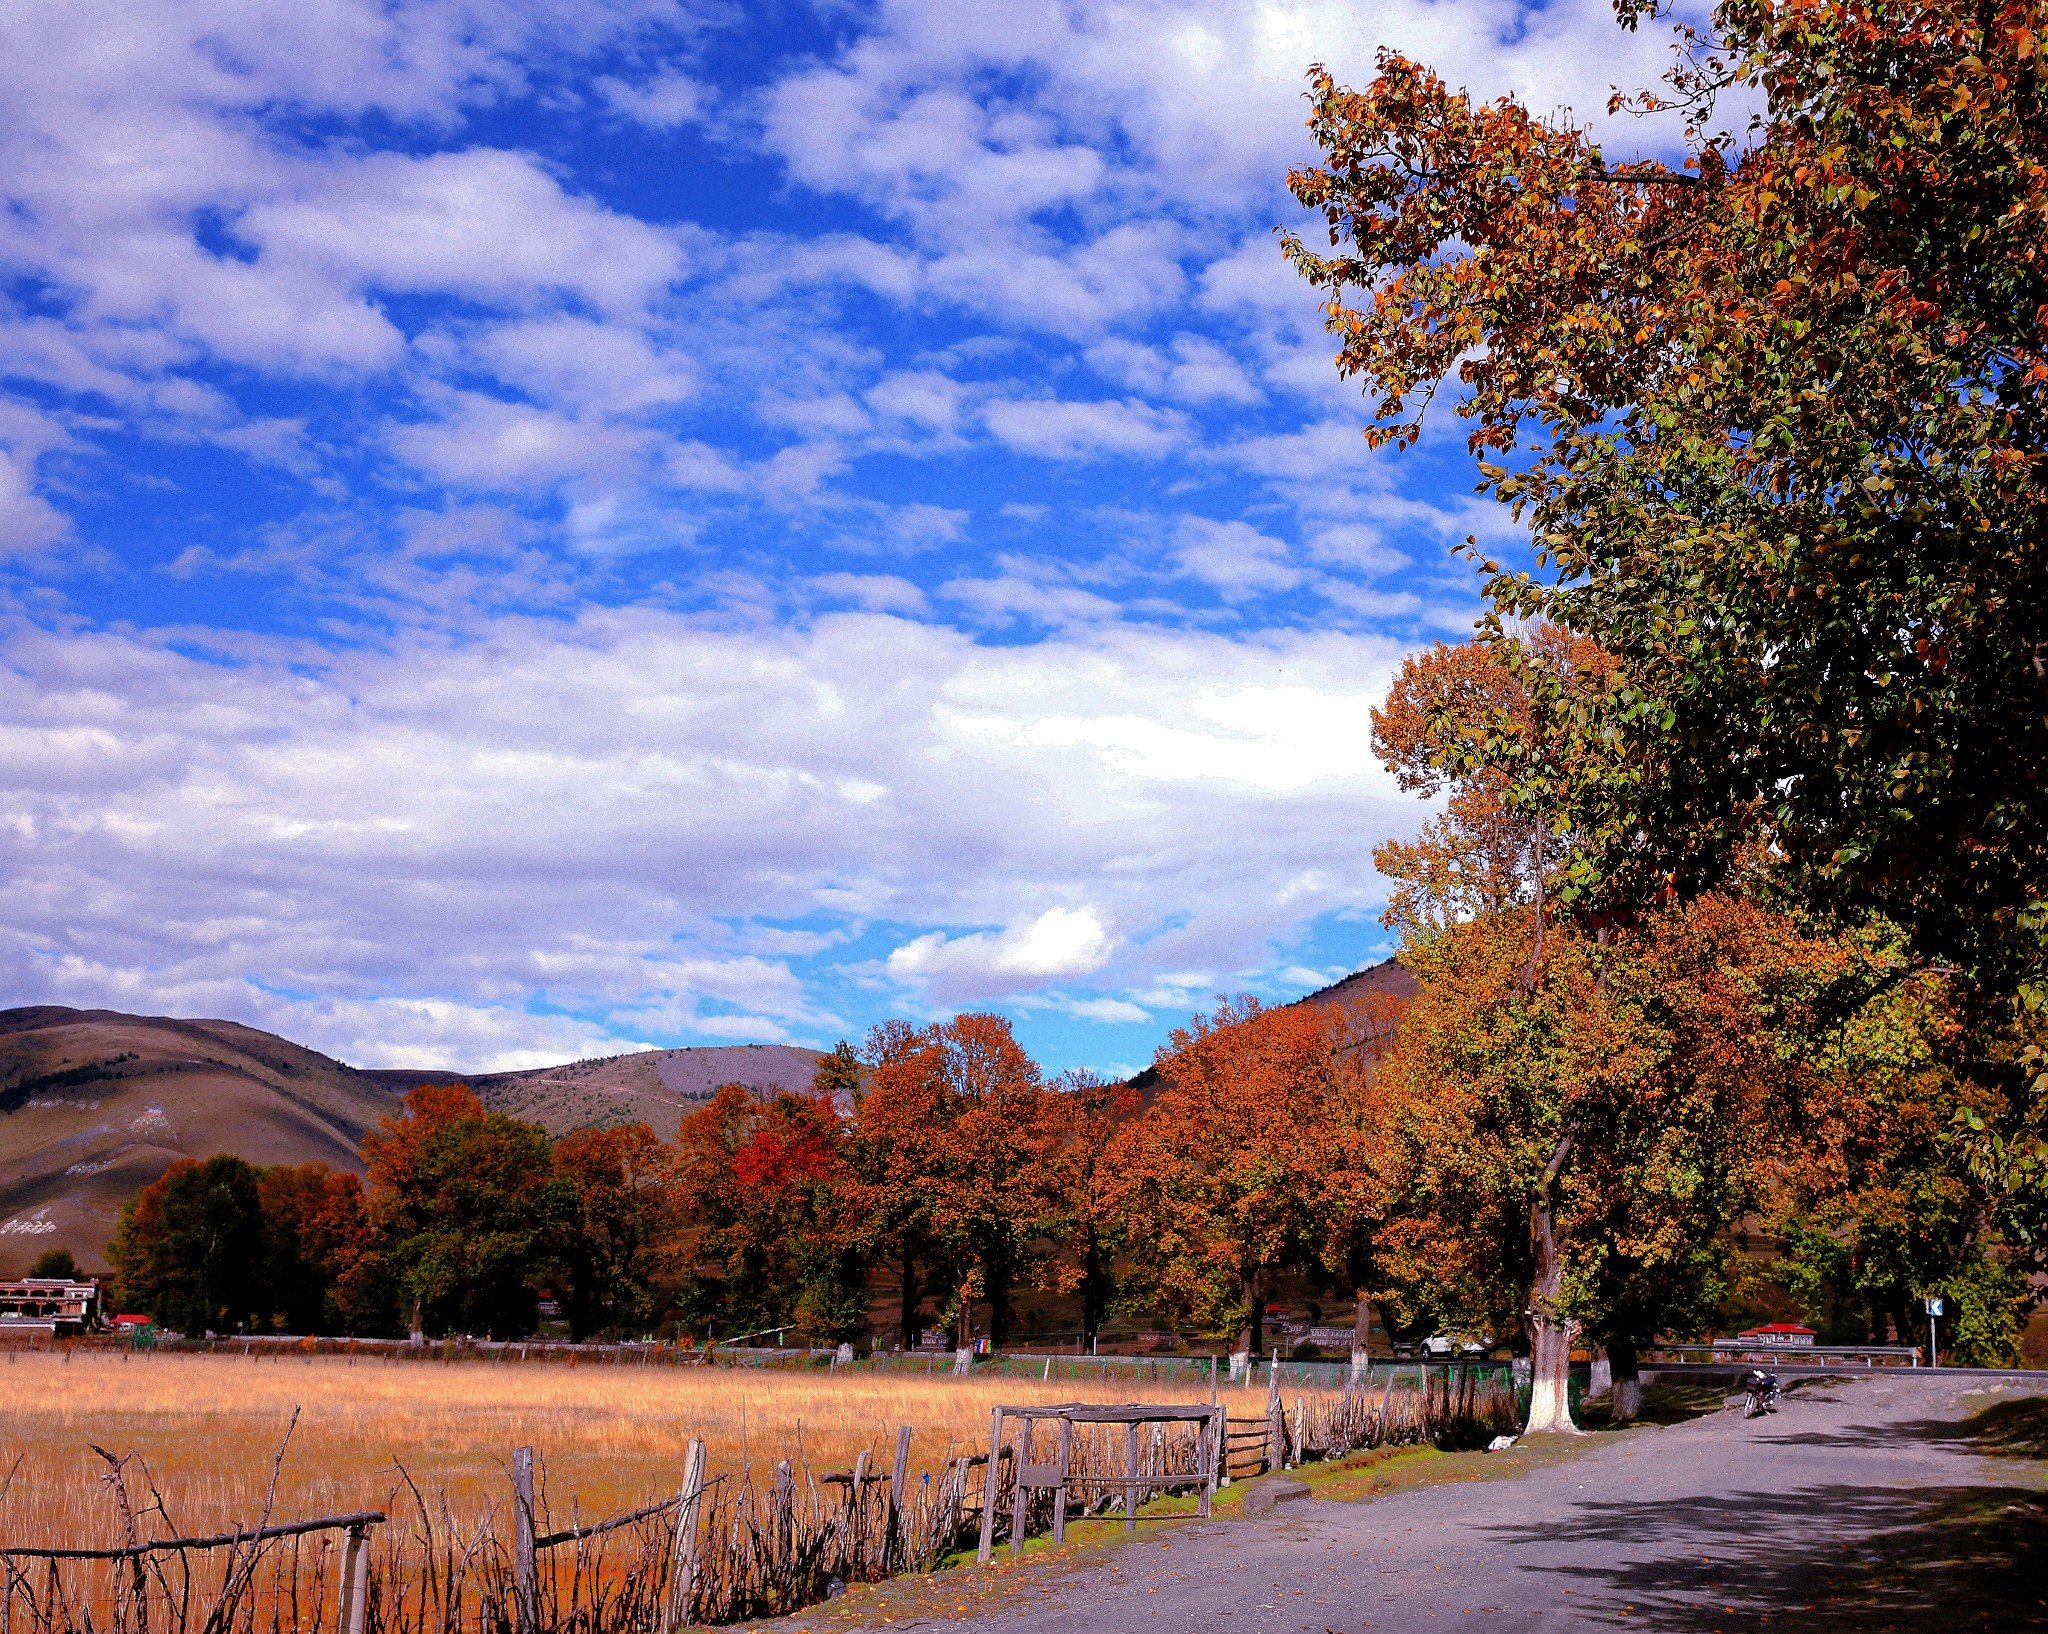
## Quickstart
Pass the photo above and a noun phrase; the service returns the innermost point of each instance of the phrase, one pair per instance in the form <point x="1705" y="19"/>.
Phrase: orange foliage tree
<point x="1879" y="1205"/>
<point x="316" y="1231"/>
<point x="1778" y="419"/>
<point x="1086" y="1224"/>
<point x="1579" y="1143"/>
<point x="619" y="1234"/>
<point x="959" y="1141"/>
<point x="1224" y="1177"/>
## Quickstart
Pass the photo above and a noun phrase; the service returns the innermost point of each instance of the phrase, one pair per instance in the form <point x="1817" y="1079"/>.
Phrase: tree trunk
<point x="1628" y="1382"/>
<point x="1253" y="1338"/>
<point x="1551" y="1337"/>
<point x="1094" y="1280"/>
<point x="1361" y="1330"/>
<point x="912" y="1297"/>
<point x="963" y="1319"/>
<point x="997" y="1284"/>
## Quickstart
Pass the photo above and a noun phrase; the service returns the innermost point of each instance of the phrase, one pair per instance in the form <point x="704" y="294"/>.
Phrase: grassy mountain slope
<point x="650" y="1086"/>
<point x="95" y="1104"/>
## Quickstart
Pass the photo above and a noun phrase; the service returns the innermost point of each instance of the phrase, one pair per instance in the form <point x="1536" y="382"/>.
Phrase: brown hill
<point x="95" y="1104"/>
<point x="1364" y="998"/>
<point x="654" y="1087"/>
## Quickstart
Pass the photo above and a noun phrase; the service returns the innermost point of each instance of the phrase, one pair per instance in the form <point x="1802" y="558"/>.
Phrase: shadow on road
<point x="1842" y="1558"/>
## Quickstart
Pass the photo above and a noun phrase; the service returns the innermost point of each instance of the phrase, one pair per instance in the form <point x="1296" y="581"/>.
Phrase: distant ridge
<point x="1350" y="995"/>
<point x="95" y="1104"/>
<point x="646" y="1086"/>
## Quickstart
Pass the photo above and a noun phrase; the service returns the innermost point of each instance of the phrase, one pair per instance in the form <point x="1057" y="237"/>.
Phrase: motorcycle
<point x="1761" y="1393"/>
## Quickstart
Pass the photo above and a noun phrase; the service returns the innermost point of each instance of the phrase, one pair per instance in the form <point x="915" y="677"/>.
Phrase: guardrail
<point x="1750" y="1350"/>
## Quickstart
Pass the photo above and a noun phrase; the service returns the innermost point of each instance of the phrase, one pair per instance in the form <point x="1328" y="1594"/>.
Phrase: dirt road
<point x="1856" y="1507"/>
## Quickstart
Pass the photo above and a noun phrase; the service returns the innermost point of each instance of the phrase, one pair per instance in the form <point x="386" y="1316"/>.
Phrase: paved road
<point x="1857" y="1500"/>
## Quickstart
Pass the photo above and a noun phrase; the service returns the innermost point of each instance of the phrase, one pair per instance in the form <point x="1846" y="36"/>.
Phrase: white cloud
<point x="1233" y="557"/>
<point x="877" y="592"/>
<point x="1059" y="944"/>
<point x="663" y="103"/>
<point x="573" y="815"/>
<point x="1057" y="430"/>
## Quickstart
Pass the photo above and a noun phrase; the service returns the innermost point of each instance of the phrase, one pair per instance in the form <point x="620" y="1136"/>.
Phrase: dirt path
<point x="1856" y="1507"/>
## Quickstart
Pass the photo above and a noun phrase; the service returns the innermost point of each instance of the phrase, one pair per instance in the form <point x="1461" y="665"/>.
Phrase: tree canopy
<point x="1777" y="417"/>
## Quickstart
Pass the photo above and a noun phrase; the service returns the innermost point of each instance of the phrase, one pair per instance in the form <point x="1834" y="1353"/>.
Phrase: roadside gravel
<point x="1858" y="1506"/>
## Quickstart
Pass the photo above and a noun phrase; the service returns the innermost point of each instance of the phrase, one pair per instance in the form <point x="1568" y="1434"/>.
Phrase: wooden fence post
<point x="898" y="1474"/>
<point x="1130" y="1477"/>
<point x="986" y="1551"/>
<point x="854" y="1512"/>
<point x="355" y="1581"/>
<point x="1300" y="1428"/>
<point x="682" y="1586"/>
<point x="1019" y="1511"/>
<point x="1276" y="1423"/>
<point x="1059" y="1496"/>
<point x="1218" y="1440"/>
<point x="785" y="1504"/>
<point x="525" y="1581"/>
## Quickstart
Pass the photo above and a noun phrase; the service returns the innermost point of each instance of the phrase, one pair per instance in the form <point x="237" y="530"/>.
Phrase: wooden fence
<point x="717" y="1549"/>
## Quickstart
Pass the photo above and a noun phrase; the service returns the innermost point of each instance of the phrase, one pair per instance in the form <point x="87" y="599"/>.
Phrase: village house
<point x="57" y="1306"/>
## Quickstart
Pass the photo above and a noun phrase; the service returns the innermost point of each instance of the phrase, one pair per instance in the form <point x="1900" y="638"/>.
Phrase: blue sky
<point x="535" y="529"/>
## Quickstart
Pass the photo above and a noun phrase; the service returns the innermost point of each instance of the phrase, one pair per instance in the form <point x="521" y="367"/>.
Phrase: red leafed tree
<point x="1223" y="1177"/>
<point x="768" y="1214"/>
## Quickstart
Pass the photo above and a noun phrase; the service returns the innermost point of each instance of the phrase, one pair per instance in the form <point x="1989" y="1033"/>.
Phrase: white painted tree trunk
<point x="1628" y="1386"/>
<point x="1551" y="1337"/>
<point x="1601" y="1379"/>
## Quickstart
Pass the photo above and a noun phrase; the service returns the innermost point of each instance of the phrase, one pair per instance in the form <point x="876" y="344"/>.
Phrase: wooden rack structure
<point x="1057" y="1475"/>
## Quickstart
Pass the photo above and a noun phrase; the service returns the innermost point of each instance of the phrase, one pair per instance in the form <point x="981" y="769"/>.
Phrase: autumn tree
<point x="467" y="1204"/>
<point x="1878" y="1204"/>
<point x="620" y="1226"/>
<point x="1359" y="1176"/>
<point x="1778" y="419"/>
<point x="1221" y="1176"/>
<point x="316" y="1233"/>
<point x="1476" y="856"/>
<point x="1578" y="1142"/>
<point x="839" y="1076"/>
<point x="189" y="1249"/>
<point x="959" y="1139"/>
<point x="1086" y="1224"/>
<point x="764" y="1203"/>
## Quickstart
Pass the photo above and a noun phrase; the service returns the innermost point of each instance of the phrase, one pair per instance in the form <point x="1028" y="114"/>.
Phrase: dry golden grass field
<point x="606" y="1438"/>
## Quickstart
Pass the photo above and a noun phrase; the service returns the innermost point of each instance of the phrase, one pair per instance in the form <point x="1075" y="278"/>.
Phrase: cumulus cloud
<point x="744" y="534"/>
<point x="1076" y="431"/>
<point x="583" y="818"/>
<point x="1059" y="944"/>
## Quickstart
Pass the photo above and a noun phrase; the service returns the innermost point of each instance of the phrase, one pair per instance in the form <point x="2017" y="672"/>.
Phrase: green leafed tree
<point x="467" y="1208"/>
<point x="189" y="1251"/>
<point x="1778" y="419"/>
